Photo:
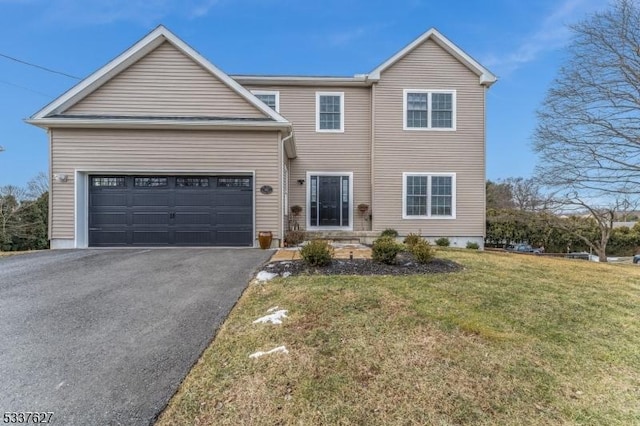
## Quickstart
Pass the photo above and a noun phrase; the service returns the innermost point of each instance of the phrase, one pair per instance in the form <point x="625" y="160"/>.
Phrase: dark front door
<point x="170" y="211"/>
<point x="329" y="201"/>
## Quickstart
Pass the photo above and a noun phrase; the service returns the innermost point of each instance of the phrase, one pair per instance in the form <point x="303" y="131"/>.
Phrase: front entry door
<point x="329" y="201"/>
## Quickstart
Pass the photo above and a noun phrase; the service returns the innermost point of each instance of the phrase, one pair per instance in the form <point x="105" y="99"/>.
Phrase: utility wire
<point x="40" y="67"/>
<point x="25" y="88"/>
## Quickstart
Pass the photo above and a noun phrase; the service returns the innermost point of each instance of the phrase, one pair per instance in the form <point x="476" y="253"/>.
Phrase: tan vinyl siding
<point x="461" y="151"/>
<point x="328" y="152"/>
<point x="166" y="82"/>
<point x="166" y="151"/>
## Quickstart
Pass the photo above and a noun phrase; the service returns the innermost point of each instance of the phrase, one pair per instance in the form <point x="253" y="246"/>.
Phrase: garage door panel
<point x="194" y="238"/>
<point x="109" y="238"/>
<point x="233" y="238"/>
<point x="193" y="218"/>
<point x="108" y="218"/>
<point x="150" y="237"/>
<point x="150" y="218"/>
<point x="195" y="199"/>
<point x="233" y="218"/>
<point x="147" y="198"/>
<point x="170" y="210"/>
<point x="108" y="199"/>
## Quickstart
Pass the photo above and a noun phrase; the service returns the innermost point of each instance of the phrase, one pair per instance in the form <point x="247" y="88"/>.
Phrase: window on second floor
<point x="330" y="112"/>
<point x="270" y="98"/>
<point x="429" y="109"/>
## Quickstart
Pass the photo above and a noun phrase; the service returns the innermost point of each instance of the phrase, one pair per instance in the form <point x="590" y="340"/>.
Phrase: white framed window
<point x="270" y="97"/>
<point x="428" y="195"/>
<point x="330" y="112"/>
<point x="429" y="109"/>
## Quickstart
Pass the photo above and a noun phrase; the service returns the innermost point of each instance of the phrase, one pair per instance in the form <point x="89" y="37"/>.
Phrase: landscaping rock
<point x="266" y="276"/>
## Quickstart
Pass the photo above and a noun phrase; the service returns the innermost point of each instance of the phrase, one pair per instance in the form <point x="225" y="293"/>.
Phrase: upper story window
<point x="429" y="196"/>
<point x="330" y="112"/>
<point x="271" y="98"/>
<point x="429" y="109"/>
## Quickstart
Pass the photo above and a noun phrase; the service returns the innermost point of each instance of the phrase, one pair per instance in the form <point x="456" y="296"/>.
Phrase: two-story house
<point x="161" y="148"/>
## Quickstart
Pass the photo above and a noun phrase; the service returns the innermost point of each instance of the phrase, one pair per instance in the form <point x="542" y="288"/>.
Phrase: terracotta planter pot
<point x="264" y="238"/>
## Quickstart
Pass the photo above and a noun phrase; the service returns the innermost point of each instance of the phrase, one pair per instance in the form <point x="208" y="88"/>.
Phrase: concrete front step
<point x="344" y="237"/>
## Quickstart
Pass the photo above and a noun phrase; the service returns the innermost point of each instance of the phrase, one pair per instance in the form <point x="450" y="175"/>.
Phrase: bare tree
<point x="589" y="221"/>
<point x="38" y="186"/>
<point x="11" y="198"/>
<point x="588" y="135"/>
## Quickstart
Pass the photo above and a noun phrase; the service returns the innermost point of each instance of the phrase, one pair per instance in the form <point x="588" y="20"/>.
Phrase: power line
<point x="25" y="88"/>
<point x="40" y="67"/>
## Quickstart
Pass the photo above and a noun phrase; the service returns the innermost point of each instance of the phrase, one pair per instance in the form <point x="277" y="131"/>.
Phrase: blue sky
<point x="520" y="41"/>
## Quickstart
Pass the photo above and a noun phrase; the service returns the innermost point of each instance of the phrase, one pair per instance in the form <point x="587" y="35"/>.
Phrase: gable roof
<point x="151" y="41"/>
<point x="487" y="78"/>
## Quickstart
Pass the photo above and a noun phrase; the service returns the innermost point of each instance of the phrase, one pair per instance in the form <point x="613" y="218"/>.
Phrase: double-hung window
<point x="429" y="109"/>
<point x="429" y="195"/>
<point x="330" y="112"/>
<point x="270" y="98"/>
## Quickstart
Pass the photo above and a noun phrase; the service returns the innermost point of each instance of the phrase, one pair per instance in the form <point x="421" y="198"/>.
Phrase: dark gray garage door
<point x="170" y="210"/>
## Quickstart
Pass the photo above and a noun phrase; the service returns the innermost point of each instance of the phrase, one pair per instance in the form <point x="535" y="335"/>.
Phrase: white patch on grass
<point x="286" y="274"/>
<point x="265" y="276"/>
<point x="274" y="318"/>
<point x="275" y="308"/>
<point x="272" y="351"/>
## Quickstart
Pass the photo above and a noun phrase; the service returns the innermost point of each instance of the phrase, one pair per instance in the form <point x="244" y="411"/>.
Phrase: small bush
<point x="389" y="232"/>
<point x="422" y="251"/>
<point x="412" y="239"/>
<point x="385" y="250"/>
<point x="443" y="242"/>
<point x="293" y="238"/>
<point x="317" y="253"/>
<point x="472" y="245"/>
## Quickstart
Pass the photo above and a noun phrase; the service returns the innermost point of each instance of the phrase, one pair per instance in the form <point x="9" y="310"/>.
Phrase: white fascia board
<point x="89" y="123"/>
<point x="131" y="55"/>
<point x="361" y="80"/>
<point x="487" y="78"/>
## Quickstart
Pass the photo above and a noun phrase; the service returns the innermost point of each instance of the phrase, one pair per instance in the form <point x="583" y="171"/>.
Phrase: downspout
<point x="282" y="212"/>
<point x="372" y="151"/>
<point x="50" y="200"/>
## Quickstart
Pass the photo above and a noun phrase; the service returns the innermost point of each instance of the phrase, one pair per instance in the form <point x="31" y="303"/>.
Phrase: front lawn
<point x="512" y="339"/>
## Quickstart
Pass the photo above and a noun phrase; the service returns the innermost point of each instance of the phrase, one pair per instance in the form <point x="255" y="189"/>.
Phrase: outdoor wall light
<point x="60" y="177"/>
<point x="301" y="181"/>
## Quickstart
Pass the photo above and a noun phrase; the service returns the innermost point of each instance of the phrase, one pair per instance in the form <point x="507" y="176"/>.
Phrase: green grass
<point x="509" y="340"/>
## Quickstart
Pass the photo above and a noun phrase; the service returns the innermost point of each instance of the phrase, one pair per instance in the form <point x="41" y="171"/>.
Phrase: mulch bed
<point x="405" y="265"/>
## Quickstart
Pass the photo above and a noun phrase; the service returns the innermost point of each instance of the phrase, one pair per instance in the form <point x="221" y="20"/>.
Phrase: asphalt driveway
<point x="106" y="336"/>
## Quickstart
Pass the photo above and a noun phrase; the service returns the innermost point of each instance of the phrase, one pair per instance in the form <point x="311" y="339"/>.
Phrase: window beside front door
<point x="329" y="199"/>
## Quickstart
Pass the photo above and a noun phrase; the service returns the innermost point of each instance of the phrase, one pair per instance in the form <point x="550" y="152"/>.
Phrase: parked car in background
<point x="636" y="258"/>
<point x="523" y="248"/>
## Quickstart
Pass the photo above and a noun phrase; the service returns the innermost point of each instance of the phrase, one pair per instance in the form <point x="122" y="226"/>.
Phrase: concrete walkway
<point x="341" y="252"/>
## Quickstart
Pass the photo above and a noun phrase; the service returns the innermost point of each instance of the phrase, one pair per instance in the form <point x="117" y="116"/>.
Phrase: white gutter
<point x="47" y="123"/>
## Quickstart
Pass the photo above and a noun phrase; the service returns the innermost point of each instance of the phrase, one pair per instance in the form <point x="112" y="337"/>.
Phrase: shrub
<point x="412" y="239"/>
<point x="317" y="253"/>
<point x="472" y="245"/>
<point x="389" y="232"/>
<point x="385" y="250"/>
<point x="422" y="251"/>
<point x="443" y="242"/>
<point x="293" y="238"/>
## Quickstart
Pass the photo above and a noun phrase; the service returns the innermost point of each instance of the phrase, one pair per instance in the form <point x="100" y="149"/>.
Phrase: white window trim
<point x="269" y="92"/>
<point x="429" y="92"/>
<point x="428" y="216"/>
<point x="341" y="129"/>
<point x="308" y="202"/>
